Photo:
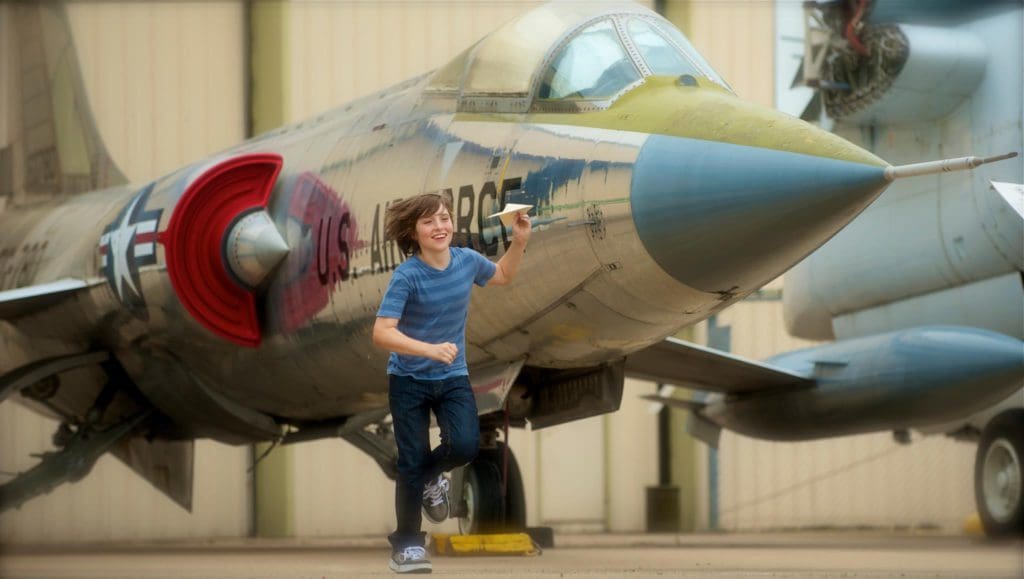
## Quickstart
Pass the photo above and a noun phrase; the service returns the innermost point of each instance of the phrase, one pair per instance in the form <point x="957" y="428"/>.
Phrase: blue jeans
<point x="411" y="402"/>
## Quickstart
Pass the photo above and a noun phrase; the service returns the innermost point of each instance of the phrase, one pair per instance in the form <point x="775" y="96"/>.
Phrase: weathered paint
<point x="661" y="106"/>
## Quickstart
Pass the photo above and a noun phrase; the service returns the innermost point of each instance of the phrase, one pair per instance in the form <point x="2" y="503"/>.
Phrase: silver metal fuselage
<point x="654" y="209"/>
<point x="588" y="292"/>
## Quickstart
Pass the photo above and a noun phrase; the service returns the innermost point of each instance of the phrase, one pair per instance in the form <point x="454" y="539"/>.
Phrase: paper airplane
<point x="1012" y="193"/>
<point x="509" y="213"/>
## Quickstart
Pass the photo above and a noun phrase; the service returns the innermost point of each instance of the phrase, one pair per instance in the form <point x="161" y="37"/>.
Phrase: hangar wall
<point x="160" y="103"/>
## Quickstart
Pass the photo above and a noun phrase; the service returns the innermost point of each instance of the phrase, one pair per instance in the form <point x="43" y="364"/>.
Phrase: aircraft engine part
<point x="1003" y="311"/>
<point x="927" y="10"/>
<point x="32" y="373"/>
<point x="253" y="247"/>
<point x="912" y="74"/>
<point x="564" y="396"/>
<point x="836" y="293"/>
<point x="197" y="410"/>
<point x="893" y="381"/>
<point x="197" y="256"/>
<point x="999" y="475"/>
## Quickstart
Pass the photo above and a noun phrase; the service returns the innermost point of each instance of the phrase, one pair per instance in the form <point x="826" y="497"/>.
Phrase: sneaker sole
<point x="411" y="568"/>
<point x="426" y="515"/>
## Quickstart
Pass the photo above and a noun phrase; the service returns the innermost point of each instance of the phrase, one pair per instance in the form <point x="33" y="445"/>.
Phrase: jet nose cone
<point x="724" y="217"/>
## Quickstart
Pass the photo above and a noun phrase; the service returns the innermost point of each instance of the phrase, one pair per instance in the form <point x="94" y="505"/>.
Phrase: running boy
<point x="422" y="322"/>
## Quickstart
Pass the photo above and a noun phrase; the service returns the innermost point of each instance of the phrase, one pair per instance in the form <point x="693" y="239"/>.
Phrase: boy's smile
<point x="434" y="232"/>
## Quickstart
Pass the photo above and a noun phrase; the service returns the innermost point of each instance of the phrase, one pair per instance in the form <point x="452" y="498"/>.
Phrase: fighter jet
<point x="922" y="293"/>
<point x="234" y="298"/>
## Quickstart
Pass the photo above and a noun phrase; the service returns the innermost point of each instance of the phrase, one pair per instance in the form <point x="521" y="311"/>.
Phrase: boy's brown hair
<point x="401" y="216"/>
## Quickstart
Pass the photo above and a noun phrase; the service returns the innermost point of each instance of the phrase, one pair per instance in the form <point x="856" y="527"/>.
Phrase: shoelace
<point x="435" y="491"/>
<point x="414" y="553"/>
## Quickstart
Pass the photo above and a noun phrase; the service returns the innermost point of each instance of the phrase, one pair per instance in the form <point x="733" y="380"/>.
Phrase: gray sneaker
<point x="435" y="499"/>
<point x="410" y="560"/>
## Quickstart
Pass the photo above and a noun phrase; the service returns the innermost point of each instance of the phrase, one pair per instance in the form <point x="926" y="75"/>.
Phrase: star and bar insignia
<point x="127" y="244"/>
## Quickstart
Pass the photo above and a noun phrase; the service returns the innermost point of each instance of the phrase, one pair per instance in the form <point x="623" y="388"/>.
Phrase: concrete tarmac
<point x="824" y="554"/>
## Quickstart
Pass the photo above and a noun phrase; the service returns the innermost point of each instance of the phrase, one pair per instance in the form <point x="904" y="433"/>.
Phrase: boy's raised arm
<point x="508" y="265"/>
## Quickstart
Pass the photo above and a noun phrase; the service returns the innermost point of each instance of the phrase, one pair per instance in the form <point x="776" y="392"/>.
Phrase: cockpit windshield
<point x="593" y="65"/>
<point x="662" y="57"/>
<point x="650" y="37"/>
<point x="567" y="57"/>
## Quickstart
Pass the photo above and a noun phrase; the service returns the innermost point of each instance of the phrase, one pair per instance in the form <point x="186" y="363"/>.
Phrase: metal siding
<point x="160" y="102"/>
<point x="633" y="455"/>
<point x="737" y="39"/>
<point x="572" y="476"/>
<point x="158" y="97"/>
<point x="340" y="491"/>
<point x="113" y="503"/>
<point x="344" y="50"/>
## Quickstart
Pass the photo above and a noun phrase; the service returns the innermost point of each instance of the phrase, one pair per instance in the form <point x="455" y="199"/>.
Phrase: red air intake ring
<point x="194" y="237"/>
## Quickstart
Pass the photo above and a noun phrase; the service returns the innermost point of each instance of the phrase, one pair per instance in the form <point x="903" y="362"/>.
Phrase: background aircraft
<point x="565" y="334"/>
<point x="905" y="81"/>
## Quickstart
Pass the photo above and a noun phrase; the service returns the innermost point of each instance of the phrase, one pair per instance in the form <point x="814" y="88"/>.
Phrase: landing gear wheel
<point x="999" y="476"/>
<point x="486" y="512"/>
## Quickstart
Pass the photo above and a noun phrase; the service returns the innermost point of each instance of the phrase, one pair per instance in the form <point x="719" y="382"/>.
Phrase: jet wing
<point x="674" y="361"/>
<point x="22" y="301"/>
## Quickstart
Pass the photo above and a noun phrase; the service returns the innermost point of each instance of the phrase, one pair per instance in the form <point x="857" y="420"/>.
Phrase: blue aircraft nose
<point x="723" y="217"/>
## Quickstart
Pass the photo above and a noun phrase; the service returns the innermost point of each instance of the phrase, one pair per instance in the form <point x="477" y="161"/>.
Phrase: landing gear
<point x="80" y="447"/>
<point x="485" y="508"/>
<point x="999" y="475"/>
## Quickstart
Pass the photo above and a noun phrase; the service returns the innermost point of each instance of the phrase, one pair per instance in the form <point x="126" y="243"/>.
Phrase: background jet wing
<point x="692" y="405"/>
<point x="22" y="301"/>
<point x="673" y="361"/>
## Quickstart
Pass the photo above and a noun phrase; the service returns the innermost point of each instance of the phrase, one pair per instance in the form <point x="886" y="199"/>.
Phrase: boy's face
<point x="434" y="232"/>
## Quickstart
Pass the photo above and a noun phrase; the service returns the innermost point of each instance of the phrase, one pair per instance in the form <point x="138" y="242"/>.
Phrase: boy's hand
<point x="521" y="228"/>
<point x="444" y="353"/>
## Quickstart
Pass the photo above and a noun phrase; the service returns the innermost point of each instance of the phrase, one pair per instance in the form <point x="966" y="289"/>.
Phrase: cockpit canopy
<point x="566" y="56"/>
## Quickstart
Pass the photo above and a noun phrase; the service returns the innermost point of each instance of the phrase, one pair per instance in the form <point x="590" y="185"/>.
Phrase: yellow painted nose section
<point x="662" y="106"/>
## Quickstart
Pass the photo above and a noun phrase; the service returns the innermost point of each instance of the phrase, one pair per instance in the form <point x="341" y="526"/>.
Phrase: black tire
<point x="486" y="511"/>
<point x="999" y="475"/>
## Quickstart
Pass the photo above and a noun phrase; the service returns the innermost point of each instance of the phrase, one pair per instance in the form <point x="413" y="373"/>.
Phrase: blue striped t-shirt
<point x="431" y="305"/>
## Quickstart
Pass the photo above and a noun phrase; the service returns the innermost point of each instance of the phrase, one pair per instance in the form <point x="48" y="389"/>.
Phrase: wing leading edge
<point x="674" y="361"/>
<point x="19" y="302"/>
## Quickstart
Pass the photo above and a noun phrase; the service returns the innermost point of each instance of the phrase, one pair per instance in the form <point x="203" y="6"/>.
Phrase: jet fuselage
<point x="589" y="290"/>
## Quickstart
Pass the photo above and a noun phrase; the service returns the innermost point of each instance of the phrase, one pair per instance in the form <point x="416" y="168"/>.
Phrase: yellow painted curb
<point x="469" y="545"/>
<point x="973" y="527"/>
